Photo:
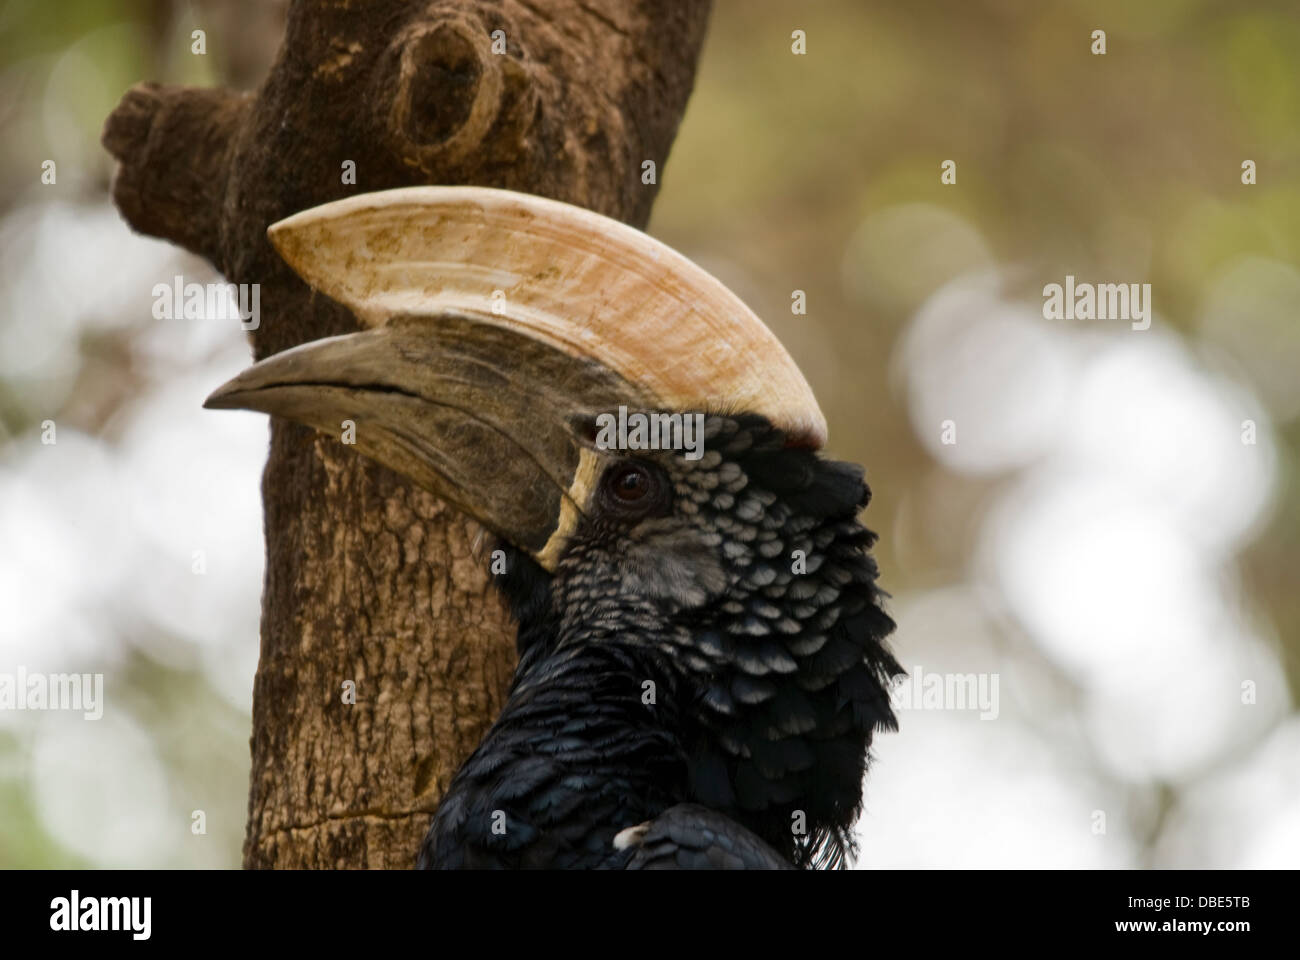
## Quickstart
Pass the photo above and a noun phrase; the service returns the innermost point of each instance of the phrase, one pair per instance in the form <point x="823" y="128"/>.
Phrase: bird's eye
<point x="632" y="487"/>
<point x="630" y="484"/>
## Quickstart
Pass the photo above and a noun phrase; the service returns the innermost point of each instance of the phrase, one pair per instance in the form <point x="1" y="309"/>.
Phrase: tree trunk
<point x="368" y="579"/>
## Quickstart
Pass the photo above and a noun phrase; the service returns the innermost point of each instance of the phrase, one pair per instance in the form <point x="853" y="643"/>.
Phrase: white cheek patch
<point x="675" y="566"/>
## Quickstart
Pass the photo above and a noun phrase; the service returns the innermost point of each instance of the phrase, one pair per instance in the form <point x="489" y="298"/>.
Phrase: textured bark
<point x="368" y="579"/>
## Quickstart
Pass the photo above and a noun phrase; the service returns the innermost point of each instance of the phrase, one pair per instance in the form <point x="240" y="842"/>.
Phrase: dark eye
<point x="633" y="488"/>
<point x="631" y="484"/>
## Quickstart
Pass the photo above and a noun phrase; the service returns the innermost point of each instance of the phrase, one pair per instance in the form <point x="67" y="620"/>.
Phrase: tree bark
<point x="367" y="578"/>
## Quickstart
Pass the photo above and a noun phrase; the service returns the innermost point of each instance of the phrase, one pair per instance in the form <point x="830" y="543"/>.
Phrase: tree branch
<point x="173" y="149"/>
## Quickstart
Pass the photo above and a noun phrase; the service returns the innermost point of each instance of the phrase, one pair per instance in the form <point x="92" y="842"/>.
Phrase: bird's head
<point x="645" y="449"/>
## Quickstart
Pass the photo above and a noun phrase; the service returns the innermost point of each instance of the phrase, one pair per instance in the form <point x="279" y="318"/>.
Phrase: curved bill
<point x="489" y="420"/>
<point x="497" y="322"/>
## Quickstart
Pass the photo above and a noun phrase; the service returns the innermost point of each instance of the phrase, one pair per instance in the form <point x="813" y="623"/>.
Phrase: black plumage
<point x="699" y="679"/>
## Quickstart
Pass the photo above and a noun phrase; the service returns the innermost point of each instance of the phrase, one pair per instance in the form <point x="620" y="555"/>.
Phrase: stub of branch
<point x="173" y="146"/>
<point x="450" y="91"/>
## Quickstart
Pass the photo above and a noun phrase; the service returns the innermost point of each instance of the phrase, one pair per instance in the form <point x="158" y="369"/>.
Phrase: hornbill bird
<point x="701" y="653"/>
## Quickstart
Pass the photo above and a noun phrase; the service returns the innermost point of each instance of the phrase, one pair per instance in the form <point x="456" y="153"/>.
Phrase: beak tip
<point x="225" y="397"/>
